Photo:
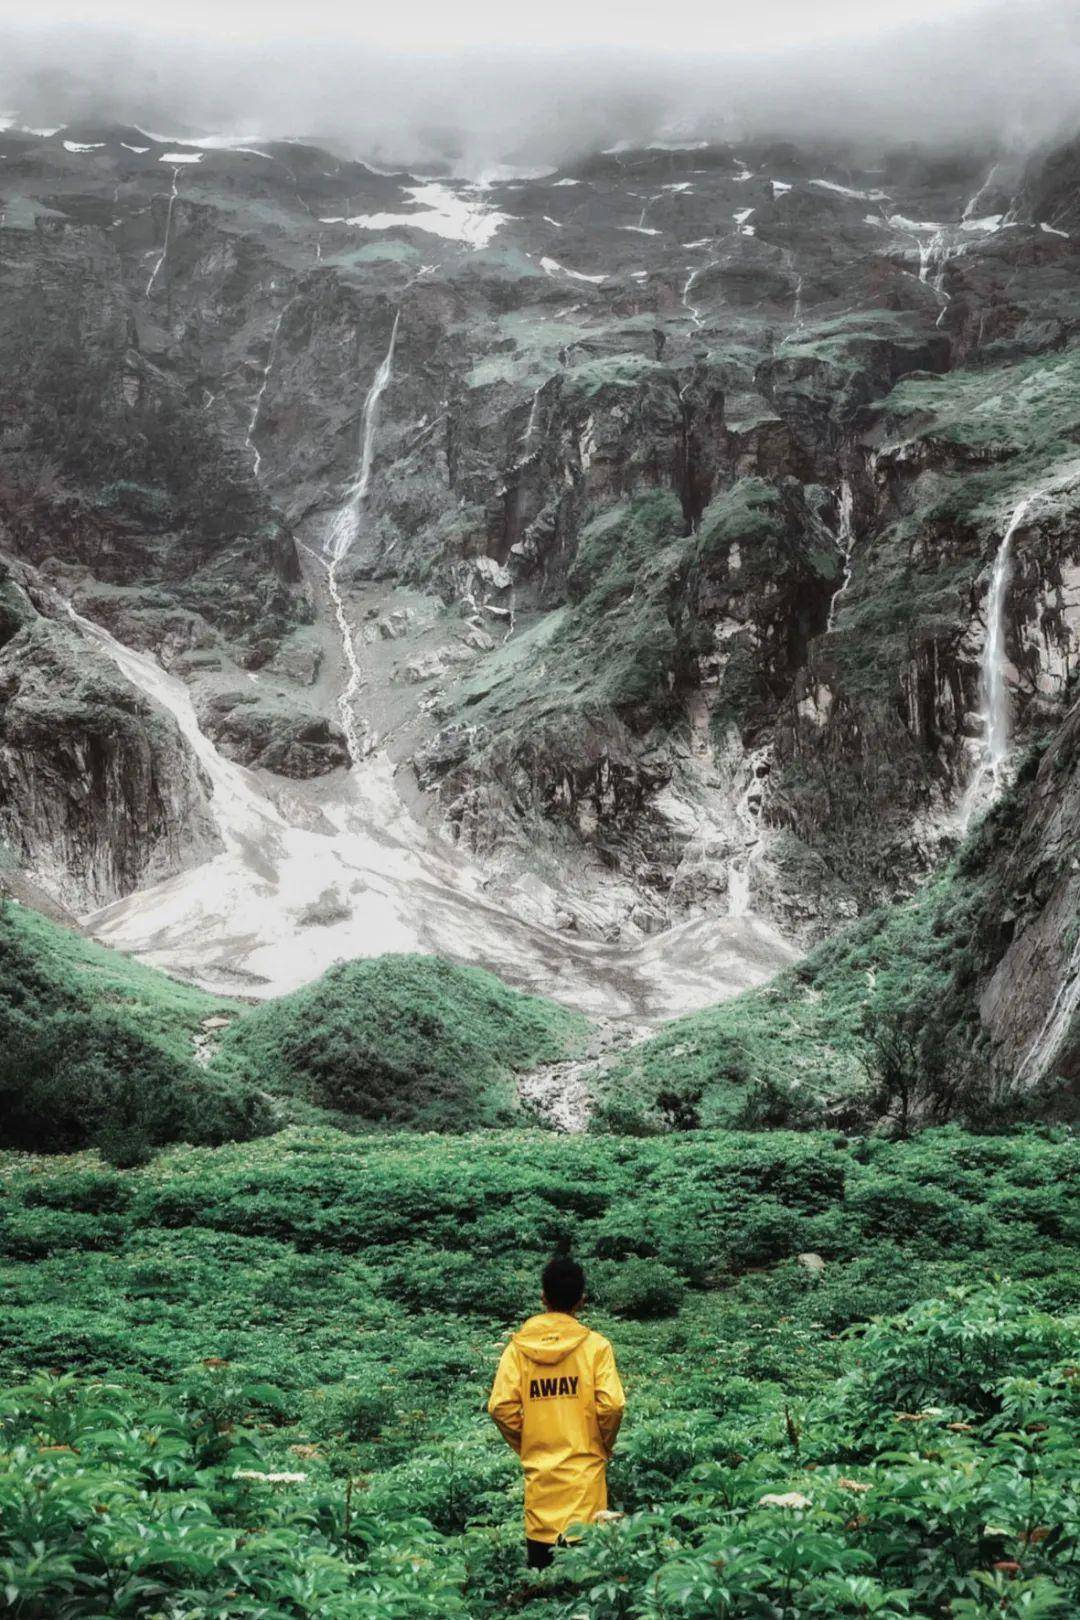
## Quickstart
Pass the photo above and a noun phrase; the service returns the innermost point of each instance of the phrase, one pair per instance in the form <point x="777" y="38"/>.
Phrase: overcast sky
<point x="481" y="81"/>
<point x="676" y="25"/>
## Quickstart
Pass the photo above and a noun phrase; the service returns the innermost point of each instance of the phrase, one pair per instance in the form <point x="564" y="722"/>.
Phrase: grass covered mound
<point x="809" y="1042"/>
<point x="250" y="1380"/>
<point x="96" y="1050"/>
<point x="401" y="1040"/>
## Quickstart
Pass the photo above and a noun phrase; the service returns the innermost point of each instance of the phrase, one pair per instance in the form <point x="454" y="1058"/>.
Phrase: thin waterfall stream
<point x="341" y="537"/>
<point x="845" y="545"/>
<point x="173" y="194"/>
<point x="990" y="772"/>
<point x="749" y="813"/>
<point x="256" y="409"/>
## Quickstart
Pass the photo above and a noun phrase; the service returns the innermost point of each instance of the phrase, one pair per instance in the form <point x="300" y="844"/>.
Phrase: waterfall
<point x="992" y="673"/>
<point x="356" y="677"/>
<point x="748" y="812"/>
<point x="249" y="442"/>
<point x="343" y="530"/>
<point x="341" y="537"/>
<point x="845" y="545"/>
<point x="648" y="204"/>
<point x="694" y="310"/>
<point x="691" y="309"/>
<point x="168" y="227"/>
<point x="994" y="749"/>
<point x="973" y="201"/>
<point x="530" y="426"/>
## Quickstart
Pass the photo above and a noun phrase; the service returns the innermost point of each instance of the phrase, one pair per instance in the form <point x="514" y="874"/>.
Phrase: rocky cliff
<point x="674" y="485"/>
<point x="99" y="794"/>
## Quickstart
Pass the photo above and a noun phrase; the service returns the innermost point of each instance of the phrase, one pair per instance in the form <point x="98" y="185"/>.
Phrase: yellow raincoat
<point x="557" y="1399"/>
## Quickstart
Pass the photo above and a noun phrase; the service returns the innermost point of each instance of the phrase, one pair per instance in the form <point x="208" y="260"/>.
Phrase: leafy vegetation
<point x="808" y="1043"/>
<point x="1030" y="408"/>
<point x="591" y="377"/>
<point x="406" y="1040"/>
<point x="615" y="647"/>
<point x="97" y="1050"/>
<point x="248" y="1380"/>
<point x="877" y="1026"/>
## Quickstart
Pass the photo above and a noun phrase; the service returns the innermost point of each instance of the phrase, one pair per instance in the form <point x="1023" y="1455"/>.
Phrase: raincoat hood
<point x="550" y="1337"/>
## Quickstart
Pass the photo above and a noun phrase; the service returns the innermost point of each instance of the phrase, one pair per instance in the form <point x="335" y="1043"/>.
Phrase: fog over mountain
<point x="464" y="87"/>
<point x="619" y="578"/>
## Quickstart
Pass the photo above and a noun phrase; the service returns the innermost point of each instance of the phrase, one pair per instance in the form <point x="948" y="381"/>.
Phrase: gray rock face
<point x="278" y="734"/>
<point x="1030" y="1002"/>
<point x="99" y="793"/>
<point x="669" y="583"/>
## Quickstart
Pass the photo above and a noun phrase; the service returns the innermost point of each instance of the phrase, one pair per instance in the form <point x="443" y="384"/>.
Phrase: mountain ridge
<point x="668" y="590"/>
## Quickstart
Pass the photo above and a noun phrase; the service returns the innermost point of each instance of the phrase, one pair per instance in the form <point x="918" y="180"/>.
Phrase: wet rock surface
<point x="621" y="634"/>
<point x="98" y="792"/>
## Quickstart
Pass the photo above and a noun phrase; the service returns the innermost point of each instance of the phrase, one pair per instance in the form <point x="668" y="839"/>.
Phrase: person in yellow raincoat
<point x="558" y="1402"/>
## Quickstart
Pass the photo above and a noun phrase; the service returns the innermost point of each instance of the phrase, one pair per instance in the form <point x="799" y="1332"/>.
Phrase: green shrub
<point x="350" y="1411"/>
<point x="764" y="1233"/>
<point x="89" y="1190"/>
<point x="83" y="1079"/>
<point x="927" y="1217"/>
<point x="451" y="1486"/>
<point x="639" y="1288"/>
<point x="957" y="1351"/>
<point x="76" y="1072"/>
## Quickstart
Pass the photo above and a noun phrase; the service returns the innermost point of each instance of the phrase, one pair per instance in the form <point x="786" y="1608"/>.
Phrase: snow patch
<point x="558" y="224"/>
<point x="1052" y="230"/>
<point x="903" y="223"/>
<point x="779" y="187"/>
<point x="215" y="143"/>
<point x="83" y="146"/>
<point x="849" y="191"/>
<point x="679" y="185"/>
<point x="444" y="212"/>
<point x="640" y="230"/>
<point x="568" y="182"/>
<point x="139" y="149"/>
<point x="180" y="157"/>
<point x="742" y="216"/>
<point x="654" y="146"/>
<point x="237" y="912"/>
<point x="552" y="267"/>
<point x="502" y="173"/>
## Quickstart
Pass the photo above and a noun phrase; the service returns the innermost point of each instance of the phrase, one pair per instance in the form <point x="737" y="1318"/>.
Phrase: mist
<point x="965" y="74"/>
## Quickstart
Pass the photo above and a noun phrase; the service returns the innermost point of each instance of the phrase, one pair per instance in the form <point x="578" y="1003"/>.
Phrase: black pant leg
<point x="538" y="1554"/>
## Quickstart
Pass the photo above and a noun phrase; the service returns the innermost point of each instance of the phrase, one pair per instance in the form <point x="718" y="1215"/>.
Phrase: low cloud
<point x="977" y="74"/>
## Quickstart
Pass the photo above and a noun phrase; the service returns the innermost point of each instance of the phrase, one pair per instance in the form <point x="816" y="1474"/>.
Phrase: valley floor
<point x="249" y="1381"/>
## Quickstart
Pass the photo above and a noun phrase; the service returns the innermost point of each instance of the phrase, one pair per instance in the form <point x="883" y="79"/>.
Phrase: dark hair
<point x="563" y="1283"/>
